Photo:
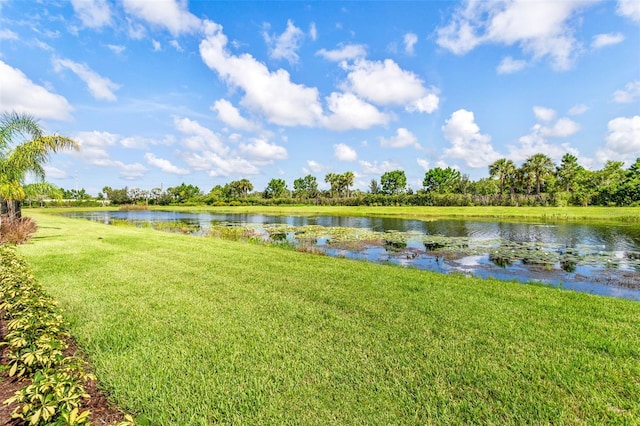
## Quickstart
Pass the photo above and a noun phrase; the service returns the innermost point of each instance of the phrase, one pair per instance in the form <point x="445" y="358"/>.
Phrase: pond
<point x="595" y="258"/>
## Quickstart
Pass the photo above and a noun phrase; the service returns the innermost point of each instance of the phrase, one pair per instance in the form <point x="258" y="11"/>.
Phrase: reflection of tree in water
<point x="501" y="261"/>
<point x="568" y="265"/>
<point x="394" y="246"/>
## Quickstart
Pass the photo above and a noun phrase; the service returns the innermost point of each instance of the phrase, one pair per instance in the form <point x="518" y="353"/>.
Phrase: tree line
<point x="538" y="181"/>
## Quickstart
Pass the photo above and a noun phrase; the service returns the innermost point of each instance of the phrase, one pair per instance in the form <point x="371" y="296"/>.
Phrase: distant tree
<point x="183" y="193"/>
<point x="393" y="182"/>
<point x="117" y="196"/>
<point x="568" y="171"/>
<point x="41" y="191"/>
<point x="239" y="188"/>
<point x="541" y="167"/>
<point x="374" y="188"/>
<point x="306" y="187"/>
<point x="333" y="179"/>
<point x="346" y="182"/>
<point x="504" y="170"/>
<point x="441" y="180"/>
<point x="275" y="189"/>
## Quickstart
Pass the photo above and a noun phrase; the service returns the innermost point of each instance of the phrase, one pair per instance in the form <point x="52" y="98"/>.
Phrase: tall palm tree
<point x="24" y="148"/>
<point x="504" y="169"/>
<point x="348" y="178"/>
<point x="540" y="166"/>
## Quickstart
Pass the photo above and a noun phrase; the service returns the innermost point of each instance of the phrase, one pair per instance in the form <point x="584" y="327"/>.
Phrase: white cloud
<point x="410" y="40"/>
<point x="139" y="142"/>
<point x="603" y="40"/>
<point x="537" y="140"/>
<point x="385" y="83"/>
<point x="539" y="28"/>
<point x="423" y="163"/>
<point x="630" y="9"/>
<point x="117" y="49"/>
<point x="20" y="94"/>
<point x="578" y="109"/>
<point x="623" y="141"/>
<point x="313" y="31"/>
<point x="199" y="137"/>
<point x="262" y="150"/>
<point x="156" y="45"/>
<point x="164" y="165"/>
<point x="101" y="88"/>
<point x="350" y="112"/>
<point x="344" y="53"/>
<point x="230" y="115"/>
<point x="216" y="165"/>
<point x="271" y="94"/>
<point x="508" y="65"/>
<point x="170" y="14"/>
<point x="286" y="44"/>
<point x="378" y="168"/>
<point x="176" y="45"/>
<point x="313" y="167"/>
<point x="344" y="152"/>
<point x="55" y="173"/>
<point x="402" y="139"/>
<point x="93" y="13"/>
<point x="130" y="171"/>
<point x="544" y="114"/>
<point x="8" y="35"/>
<point x="94" y="150"/>
<point x="629" y="94"/>
<point x="467" y="143"/>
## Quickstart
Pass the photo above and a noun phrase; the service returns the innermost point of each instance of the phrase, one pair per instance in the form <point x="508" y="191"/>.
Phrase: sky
<point x="161" y="92"/>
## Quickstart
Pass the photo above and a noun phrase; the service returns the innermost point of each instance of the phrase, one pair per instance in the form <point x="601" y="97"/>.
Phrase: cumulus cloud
<point x="156" y="45"/>
<point x="216" y="165"/>
<point x="350" y="112"/>
<point x="313" y="31"/>
<point x="164" y="165"/>
<point x="271" y="94"/>
<point x="603" y="40"/>
<point x="423" y="163"/>
<point x="410" y="40"/>
<point x="578" y="109"/>
<point x="544" y="114"/>
<point x="508" y="65"/>
<point x="541" y="29"/>
<point x="176" y="45"/>
<point x="170" y="14"/>
<point x="378" y="168"/>
<point x="344" y="152"/>
<point x="260" y="149"/>
<point x="385" y="83"/>
<point x="313" y="167"/>
<point x="229" y="114"/>
<point x="198" y="137"/>
<point x="286" y="44"/>
<point x="117" y="49"/>
<point x="630" y="9"/>
<point x="623" y="141"/>
<point x="94" y="150"/>
<point x="344" y="53"/>
<point x="93" y="13"/>
<point x="20" y="94"/>
<point x="537" y="140"/>
<point x="101" y="88"/>
<point x="627" y="95"/>
<point x="402" y="139"/>
<point x="467" y="143"/>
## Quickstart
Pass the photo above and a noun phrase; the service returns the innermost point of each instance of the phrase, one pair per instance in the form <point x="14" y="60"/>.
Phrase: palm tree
<point x="347" y="179"/>
<point x="245" y="185"/>
<point x="504" y="169"/>
<point x="540" y="166"/>
<point x="17" y="159"/>
<point x="568" y="171"/>
<point x="333" y="180"/>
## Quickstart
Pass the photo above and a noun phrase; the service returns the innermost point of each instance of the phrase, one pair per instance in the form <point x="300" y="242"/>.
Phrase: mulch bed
<point x="102" y="411"/>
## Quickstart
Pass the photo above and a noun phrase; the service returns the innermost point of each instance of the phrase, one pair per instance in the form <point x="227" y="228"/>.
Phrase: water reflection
<point x="598" y="258"/>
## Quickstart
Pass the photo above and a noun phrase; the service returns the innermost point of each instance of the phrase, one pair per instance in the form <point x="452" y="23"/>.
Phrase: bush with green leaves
<point x="36" y="341"/>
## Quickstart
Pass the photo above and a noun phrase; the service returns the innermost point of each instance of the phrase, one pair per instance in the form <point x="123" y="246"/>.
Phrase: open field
<point x="187" y="330"/>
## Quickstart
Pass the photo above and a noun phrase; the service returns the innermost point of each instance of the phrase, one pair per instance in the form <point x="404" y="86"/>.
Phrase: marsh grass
<point x="194" y="331"/>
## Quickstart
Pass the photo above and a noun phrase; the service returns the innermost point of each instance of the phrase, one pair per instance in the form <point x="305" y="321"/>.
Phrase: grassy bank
<point x="189" y="331"/>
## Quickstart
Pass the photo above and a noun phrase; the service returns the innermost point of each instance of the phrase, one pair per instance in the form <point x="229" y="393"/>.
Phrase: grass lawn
<point x="187" y="331"/>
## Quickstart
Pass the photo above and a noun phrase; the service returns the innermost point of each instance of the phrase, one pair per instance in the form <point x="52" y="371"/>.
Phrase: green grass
<point x="189" y="331"/>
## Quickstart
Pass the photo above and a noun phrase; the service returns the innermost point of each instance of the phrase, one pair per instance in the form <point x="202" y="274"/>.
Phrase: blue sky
<point x="168" y="91"/>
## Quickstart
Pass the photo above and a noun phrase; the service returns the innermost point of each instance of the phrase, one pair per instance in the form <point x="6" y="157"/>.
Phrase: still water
<point x="595" y="258"/>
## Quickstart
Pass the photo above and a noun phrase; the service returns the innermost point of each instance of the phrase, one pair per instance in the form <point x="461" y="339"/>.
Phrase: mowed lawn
<point x="189" y="330"/>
